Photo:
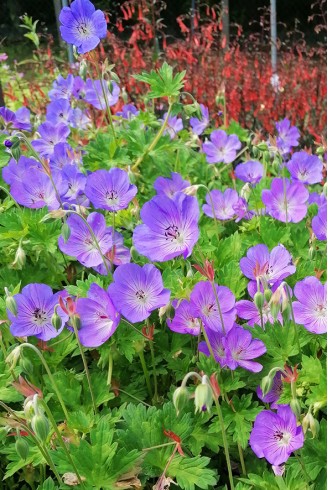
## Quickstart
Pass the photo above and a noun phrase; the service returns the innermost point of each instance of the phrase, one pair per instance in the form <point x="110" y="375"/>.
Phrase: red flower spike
<point x="291" y="374"/>
<point x="148" y="331"/>
<point x="175" y="438"/>
<point x="206" y="271"/>
<point x="215" y="385"/>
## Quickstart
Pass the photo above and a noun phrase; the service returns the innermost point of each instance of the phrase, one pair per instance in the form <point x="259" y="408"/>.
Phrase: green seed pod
<point x="65" y="231"/>
<point x="296" y="407"/>
<point x="267" y="295"/>
<point x="56" y="321"/>
<point x="40" y="426"/>
<point x="262" y="146"/>
<point x="203" y="397"/>
<point x="22" y="448"/>
<point x="11" y="304"/>
<point x="259" y="300"/>
<point x="180" y="398"/>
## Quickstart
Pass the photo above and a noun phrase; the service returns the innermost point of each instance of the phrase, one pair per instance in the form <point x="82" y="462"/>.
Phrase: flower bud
<point x="262" y="146"/>
<point x="22" y="448"/>
<point x="13" y="356"/>
<point x="203" y="396"/>
<point x="56" y="321"/>
<point x="314" y="427"/>
<point x="259" y="300"/>
<point x="8" y="143"/>
<point x="180" y="398"/>
<point x="28" y="407"/>
<point x="26" y="365"/>
<point x="40" y="426"/>
<point x="191" y="190"/>
<point x="65" y="231"/>
<point x="296" y="407"/>
<point x="20" y="258"/>
<point x="246" y="191"/>
<point x="266" y="384"/>
<point x="11" y="304"/>
<point x="267" y="295"/>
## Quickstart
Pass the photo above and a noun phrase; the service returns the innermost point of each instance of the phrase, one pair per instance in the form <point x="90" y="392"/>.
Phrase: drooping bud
<point x="65" y="231"/>
<point x="28" y="407"/>
<point x="267" y="381"/>
<point x="56" y="321"/>
<point x="20" y="258"/>
<point x="259" y="300"/>
<point x="180" y="398"/>
<point x="40" y="426"/>
<point x="296" y="407"/>
<point x="22" y="448"/>
<point x="13" y="357"/>
<point x="267" y="295"/>
<point x="246" y="191"/>
<point x="11" y="304"/>
<point x="203" y="395"/>
<point x="191" y="190"/>
<point x="262" y="146"/>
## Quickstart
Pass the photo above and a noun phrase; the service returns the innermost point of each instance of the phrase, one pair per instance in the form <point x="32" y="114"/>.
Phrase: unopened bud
<point x="22" y="448"/>
<point x="286" y="312"/>
<point x="65" y="231"/>
<point x="296" y="407"/>
<point x="203" y="396"/>
<point x="191" y="190"/>
<point x="262" y="146"/>
<point x="13" y="356"/>
<point x="20" y="258"/>
<point x="11" y="304"/>
<point x="56" y="320"/>
<point x="267" y="295"/>
<point x="29" y="408"/>
<point x="246" y="191"/>
<point x="180" y="398"/>
<point x="259" y="300"/>
<point x="314" y="427"/>
<point x="267" y="381"/>
<point x="40" y="426"/>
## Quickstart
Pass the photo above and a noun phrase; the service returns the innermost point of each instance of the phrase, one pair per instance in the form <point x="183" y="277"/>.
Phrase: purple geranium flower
<point x="276" y="435"/>
<point x="82" y="25"/>
<point x="16" y="172"/>
<point x="62" y="87"/>
<point x="63" y="155"/>
<point x="35" y="307"/>
<point x="286" y="201"/>
<point x="94" y="93"/>
<point x="76" y="184"/>
<point x="251" y="171"/>
<point x="174" y="125"/>
<point x="8" y="117"/>
<point x="51" y="135"/>
<point x="274" y="394"/>
<point x="269" y="267"/>
<point x="199" y="125"/>
<point x="98" y="317"/>
<point x="223" y="203"/>
<point x="169" y="187"/>
<point x="79" y="119"/>
<point x="216" y="340"/>
<point x="128" y="111"/>
<point x="170" y="229"/>
<point x="110" y="189"/>
<point x="137" y="291"/>
<point x="35" y="189"/>
<point x="222" y="148"/>
<point x="80" y="243"/>
<point x="241" y="210"/>
<point x="319" y="224"/>
<point x="311" y="308"/>
<point x="118" y="254"/>
<point x="23" y="119"/>
<point x="241" y="349"/>
<point x="287" y="136"/>
<point x="236" y="349"/>
<point x="305" y="168"/>
<point x="204" y="306"/>
<point x="184" y="321"/>
<point x="59" y="111"/>
<point x="319" y="199"/>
